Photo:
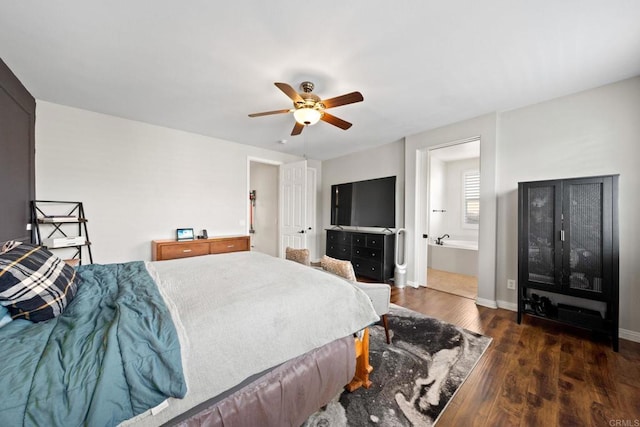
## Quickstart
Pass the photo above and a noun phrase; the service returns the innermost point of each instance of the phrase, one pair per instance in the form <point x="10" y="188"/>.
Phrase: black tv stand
<point x="371" y="253"/>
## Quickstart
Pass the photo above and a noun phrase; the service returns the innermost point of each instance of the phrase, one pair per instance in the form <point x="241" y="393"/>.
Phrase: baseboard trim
<point x="511" y="306"/>
<point x="629" y="335"/>
<point x="486" y="302"/>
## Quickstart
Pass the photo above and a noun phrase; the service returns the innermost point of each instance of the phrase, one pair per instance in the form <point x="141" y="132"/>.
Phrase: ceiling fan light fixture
<point x="307" y="116"/>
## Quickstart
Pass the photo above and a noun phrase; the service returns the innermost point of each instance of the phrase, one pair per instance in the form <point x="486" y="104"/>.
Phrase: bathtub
<point x="455" y="256"/>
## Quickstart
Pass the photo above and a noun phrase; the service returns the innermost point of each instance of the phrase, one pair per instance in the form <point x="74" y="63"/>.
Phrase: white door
<point x="293" y="206"/>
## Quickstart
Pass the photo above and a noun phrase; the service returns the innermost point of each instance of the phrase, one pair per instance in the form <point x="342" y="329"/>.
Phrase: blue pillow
<point x="5" y="317"/>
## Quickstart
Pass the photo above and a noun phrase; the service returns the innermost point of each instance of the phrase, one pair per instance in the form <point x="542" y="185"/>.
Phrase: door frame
<point x="423" y="193"/>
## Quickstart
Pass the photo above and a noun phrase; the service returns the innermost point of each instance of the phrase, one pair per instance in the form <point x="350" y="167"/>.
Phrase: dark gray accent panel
<point x="17" y="159"/>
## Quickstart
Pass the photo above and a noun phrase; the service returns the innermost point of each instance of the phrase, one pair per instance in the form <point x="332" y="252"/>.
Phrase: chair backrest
<point x="339" y="267"/>
<point x="297" y="255"/>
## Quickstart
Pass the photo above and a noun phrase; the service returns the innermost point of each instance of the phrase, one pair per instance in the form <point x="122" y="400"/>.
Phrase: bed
<point x="209" y="339"/>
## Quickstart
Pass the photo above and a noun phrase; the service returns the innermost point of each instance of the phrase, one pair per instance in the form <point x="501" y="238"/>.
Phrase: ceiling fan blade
<point x="266" y="113"/>
<point x="297" y="129"/>
<point x="349" y="98"/>
<point x="290" y="92"/>
<point x="326" y="117"/>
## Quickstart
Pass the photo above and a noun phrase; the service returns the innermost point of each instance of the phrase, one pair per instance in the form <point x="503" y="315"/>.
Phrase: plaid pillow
<point x="34" y="284"/>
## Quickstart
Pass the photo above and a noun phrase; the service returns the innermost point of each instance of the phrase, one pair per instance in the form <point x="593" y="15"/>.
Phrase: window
<point x="471" y="202"/>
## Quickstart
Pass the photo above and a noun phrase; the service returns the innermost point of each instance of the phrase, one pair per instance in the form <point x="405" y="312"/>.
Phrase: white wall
<point x="140" y="182"/>
<point x="416" y="147"/>
<point x="378" y="162"/>
<point x="594" y="132"/>
<point x="437" y="198"/>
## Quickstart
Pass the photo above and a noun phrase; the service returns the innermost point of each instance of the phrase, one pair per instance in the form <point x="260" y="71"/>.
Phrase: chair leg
<point x="386" y="327"/>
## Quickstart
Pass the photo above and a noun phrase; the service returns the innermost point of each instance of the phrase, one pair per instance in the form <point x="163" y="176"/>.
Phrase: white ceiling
<point x="202" y="66"/>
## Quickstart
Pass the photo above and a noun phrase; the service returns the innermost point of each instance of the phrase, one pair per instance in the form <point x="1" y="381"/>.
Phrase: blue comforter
<point x="113" y="354"/>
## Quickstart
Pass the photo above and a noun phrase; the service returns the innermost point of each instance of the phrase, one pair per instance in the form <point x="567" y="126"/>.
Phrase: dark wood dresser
<point x="372" y="254"/>
<point x="162" y="250"/>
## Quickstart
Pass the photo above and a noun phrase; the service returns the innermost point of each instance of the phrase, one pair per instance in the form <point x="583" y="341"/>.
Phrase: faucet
<point x="439" y="239"/>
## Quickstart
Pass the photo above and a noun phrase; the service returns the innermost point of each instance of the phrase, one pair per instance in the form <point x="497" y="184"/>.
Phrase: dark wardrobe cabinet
<point x="568" y="246"/>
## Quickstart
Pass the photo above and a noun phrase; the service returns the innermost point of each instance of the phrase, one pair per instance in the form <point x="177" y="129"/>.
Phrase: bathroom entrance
<point x="453" y="218"/>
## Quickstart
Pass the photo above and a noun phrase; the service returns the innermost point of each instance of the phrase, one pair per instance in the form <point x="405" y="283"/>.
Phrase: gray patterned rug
<point x="414" y="377"/>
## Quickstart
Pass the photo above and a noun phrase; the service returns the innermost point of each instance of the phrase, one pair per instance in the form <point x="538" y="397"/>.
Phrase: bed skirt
<point x="286" y="395"/>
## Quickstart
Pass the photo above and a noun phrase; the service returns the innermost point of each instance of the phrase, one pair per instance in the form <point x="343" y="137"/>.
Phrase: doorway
<point x="453" y="217"/>
<point x="263" y="213"/>
<point x="263" y="207"/>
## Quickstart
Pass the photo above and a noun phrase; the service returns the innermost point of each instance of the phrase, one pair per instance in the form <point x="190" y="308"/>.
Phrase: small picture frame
<point x="184" y="234"/>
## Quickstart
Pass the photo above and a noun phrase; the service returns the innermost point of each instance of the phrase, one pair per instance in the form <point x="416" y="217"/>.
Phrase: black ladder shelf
<point x="61" y="225"/>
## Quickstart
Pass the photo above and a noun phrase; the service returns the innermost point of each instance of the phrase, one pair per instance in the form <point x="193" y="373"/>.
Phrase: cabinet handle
<point x="186" y="250"/>
<point x="562" y="235"/>
<point x="230" y="246"/>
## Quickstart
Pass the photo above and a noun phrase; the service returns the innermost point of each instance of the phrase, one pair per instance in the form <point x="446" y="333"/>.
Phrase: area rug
<point x="414" y="377"/>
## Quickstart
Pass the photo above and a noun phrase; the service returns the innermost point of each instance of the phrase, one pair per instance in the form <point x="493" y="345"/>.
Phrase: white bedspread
<point x="241" y="313"/>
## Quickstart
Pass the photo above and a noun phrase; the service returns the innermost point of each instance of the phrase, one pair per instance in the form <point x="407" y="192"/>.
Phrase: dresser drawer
<point x="229" y="245"/>
<point x="338" y="251"/>
<point x="374" y="241"/>
<point x="358" y="239"/>
<point x="365" y="268"/>
<point x="366" y="253"/>
<point x="339" y="237"/>
<point x="183" y="250"/>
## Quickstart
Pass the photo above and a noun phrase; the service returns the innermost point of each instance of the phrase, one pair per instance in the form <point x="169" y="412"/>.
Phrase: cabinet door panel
<point x="585" y="236"/>
<point x="543" y="255"/>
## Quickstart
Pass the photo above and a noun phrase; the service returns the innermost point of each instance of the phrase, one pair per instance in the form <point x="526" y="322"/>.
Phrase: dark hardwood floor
<point x="538" y="373"/>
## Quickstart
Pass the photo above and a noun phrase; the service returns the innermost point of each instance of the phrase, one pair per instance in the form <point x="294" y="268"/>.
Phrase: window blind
<point x="472" y="197"/>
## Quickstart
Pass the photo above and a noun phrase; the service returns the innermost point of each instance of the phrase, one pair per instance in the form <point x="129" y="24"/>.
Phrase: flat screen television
<point x="370" y="203"/>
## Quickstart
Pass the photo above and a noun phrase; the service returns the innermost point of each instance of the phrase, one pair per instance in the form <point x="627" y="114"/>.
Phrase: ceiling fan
<point x="308" y="108"/>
